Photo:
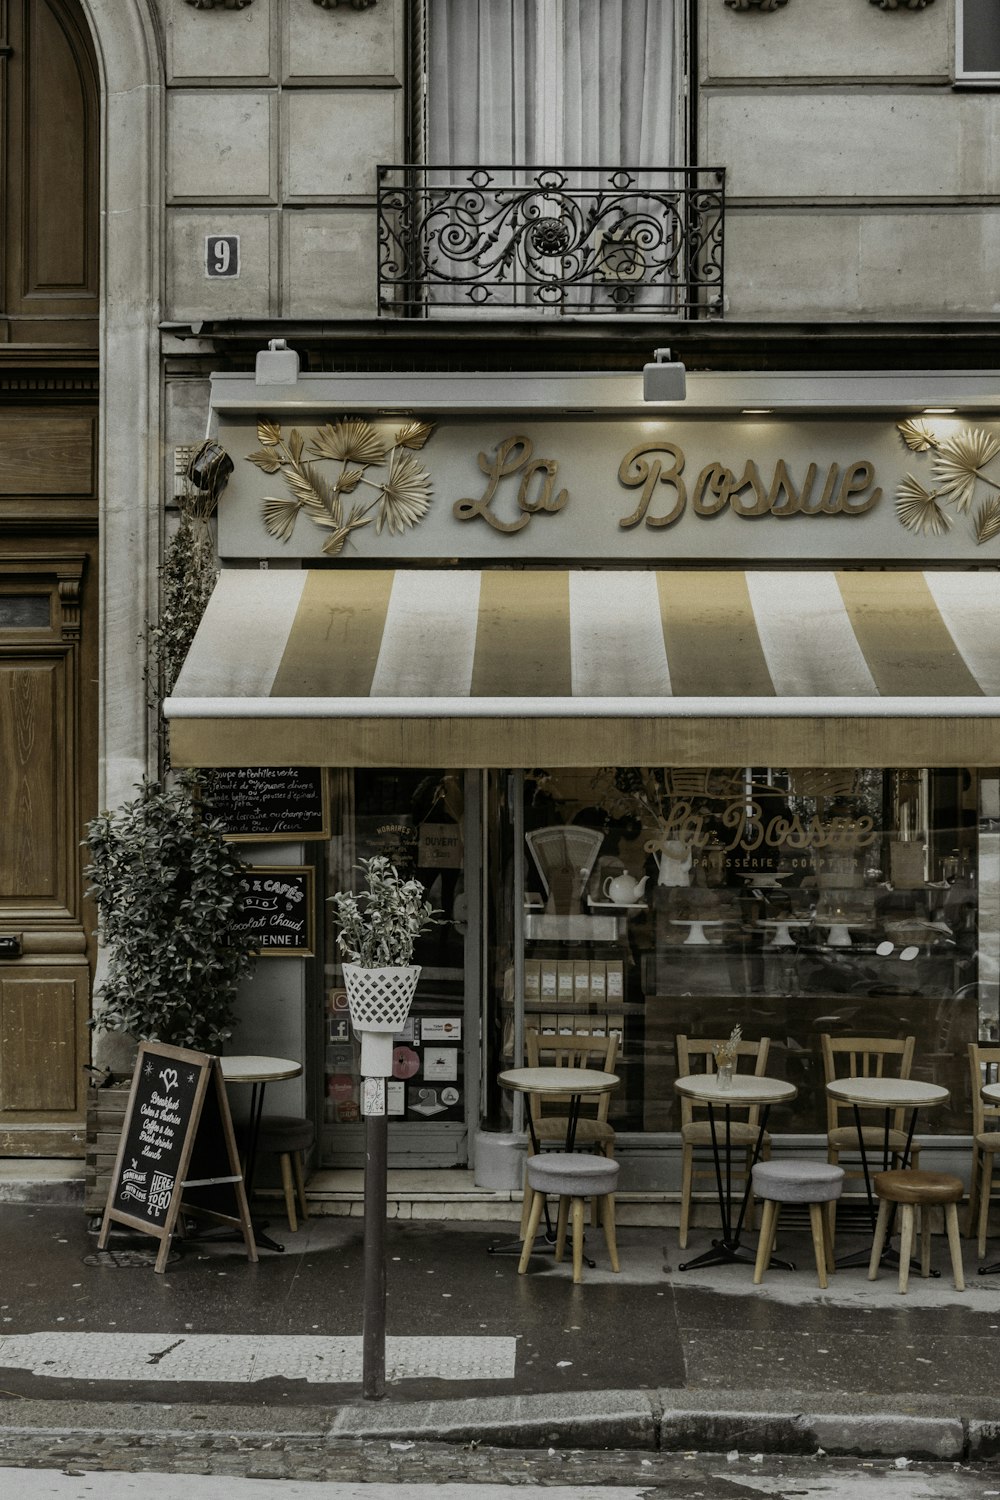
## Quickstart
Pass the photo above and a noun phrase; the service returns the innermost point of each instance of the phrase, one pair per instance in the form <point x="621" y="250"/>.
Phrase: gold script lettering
<point x="717" y="487"/>
<point x="634" y="471"/>
<point x="512" y="456"/>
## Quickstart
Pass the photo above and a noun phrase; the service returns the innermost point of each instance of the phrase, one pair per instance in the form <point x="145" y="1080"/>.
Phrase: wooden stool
<point x="574" y="1177"/>
<point x="917" y="1189"/>
<point x="788" y="1181"/>
<point x="287" y="1137"/>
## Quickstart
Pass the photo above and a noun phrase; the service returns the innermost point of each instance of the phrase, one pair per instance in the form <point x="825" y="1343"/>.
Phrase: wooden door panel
<point x="49" y="182"/>
<point x="40" y="1060"/>
<point x="47" y="452"/>
<point x="35" y="740"/>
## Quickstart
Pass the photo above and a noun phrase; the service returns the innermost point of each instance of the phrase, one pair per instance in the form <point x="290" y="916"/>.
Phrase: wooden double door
<point x="48" y="737"/>
<point x="49" y="306"/>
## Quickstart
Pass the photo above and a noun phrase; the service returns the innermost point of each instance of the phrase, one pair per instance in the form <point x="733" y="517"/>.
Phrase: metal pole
<point x="376" y="1156"/>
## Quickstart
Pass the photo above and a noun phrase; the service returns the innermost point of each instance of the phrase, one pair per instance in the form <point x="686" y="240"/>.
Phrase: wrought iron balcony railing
<point x="580" y="240"/>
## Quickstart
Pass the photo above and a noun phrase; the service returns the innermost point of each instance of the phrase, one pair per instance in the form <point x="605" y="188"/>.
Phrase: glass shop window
<point x="414" y="817"/>
<point x="790" y="902"/>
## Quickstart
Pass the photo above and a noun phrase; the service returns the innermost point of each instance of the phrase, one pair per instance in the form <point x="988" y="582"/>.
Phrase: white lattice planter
<point x="379" y="1001"/>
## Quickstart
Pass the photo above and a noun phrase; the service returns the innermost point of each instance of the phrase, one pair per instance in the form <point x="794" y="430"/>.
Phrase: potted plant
<point x="378" y="928"/>
<point x="168" y="887"/>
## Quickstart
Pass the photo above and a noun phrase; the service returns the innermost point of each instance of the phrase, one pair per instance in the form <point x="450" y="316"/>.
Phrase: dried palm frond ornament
<point x="400" y="500"/>
<point x="957" y="464"/>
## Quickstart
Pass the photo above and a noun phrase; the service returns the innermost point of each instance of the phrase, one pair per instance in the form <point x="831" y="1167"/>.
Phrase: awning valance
<point x="535" y="667"/>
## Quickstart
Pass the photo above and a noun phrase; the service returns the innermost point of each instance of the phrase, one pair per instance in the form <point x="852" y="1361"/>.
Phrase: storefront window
<point x="791" y="902"/>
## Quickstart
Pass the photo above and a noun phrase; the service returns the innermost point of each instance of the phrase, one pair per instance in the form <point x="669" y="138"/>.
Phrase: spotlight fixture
<point x="664" y="379"/>
<point x="277" y="364"/>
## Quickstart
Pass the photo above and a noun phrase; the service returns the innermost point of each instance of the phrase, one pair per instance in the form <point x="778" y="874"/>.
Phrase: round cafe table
<point x="887" y="1094"/>
<point x="258" y="1071"/>
<point x="569" y="1080"/>
<point x="742" y="1091"/>
<point x="991" y="1093"/>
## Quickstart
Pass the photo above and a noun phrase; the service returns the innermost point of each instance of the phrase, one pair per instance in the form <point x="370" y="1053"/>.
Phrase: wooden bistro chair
<point x="984" y="1066"/>
<point x="864" y="1057"/>
<point x="697" y="1055"/>
<point x="577" y="1049"/>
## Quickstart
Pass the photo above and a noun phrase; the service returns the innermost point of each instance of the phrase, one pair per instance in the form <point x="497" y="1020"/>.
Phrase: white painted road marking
<point x="243" y="1358"/>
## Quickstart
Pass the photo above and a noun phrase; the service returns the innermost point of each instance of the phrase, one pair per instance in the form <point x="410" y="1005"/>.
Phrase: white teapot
<point x="624" y="889"/>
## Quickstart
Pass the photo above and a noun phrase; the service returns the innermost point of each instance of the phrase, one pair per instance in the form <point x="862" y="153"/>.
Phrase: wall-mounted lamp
<point x="665" y="379"/>
<point x="277" y="364"/>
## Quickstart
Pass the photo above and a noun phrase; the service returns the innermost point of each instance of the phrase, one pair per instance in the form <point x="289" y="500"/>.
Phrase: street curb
<point x="670" y="1421"/>
<point x="598" y="1419"/>
<point x="666" y="1420"/>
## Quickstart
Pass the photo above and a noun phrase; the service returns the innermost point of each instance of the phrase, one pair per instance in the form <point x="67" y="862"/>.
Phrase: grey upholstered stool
<point x="910" y="1189"/>
<point x="287" y="1137"/>
<point x="575" y="1176"/>
<point x="784" y="1181"/>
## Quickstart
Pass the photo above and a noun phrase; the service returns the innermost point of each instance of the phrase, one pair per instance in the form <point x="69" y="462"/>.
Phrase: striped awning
<point x="440" y="667"/>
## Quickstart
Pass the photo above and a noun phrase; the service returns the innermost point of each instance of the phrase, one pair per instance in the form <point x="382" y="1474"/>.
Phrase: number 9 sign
<point x="222" y="255"/>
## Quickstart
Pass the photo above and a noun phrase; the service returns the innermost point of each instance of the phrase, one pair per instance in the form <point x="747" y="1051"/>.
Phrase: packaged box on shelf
<point x="598" y="983"/>
<point x="581" y="981"/>
<point x="532" y="980"/>
<point x="564" y="981"/>
<point x="549" y="982"/>
<point x="615" y="987"/>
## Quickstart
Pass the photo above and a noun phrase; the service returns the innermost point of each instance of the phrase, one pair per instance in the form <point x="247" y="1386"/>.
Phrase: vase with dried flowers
<point x="726" y="1054"/>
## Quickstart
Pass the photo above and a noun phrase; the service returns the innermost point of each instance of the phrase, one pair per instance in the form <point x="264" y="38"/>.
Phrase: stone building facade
<point x="236" y="186"/>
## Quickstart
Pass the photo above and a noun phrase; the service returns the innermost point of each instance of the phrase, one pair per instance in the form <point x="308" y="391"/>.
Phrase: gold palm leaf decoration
<point x="280" y="517"/>
<point x="405" y="495"/>
<point x="918" y="509"/>
<point x="917" y="436"/>
<point x="988" y="520"/>
<point x="414" y="435"/>
<point x="958" y="462"/>
<point x="351" y="439"/>
<point x="399" y="501"/>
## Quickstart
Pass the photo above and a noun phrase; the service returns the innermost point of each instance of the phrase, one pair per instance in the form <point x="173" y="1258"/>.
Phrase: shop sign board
<point x="613" y="489"/>
<point x="278" y="910"/>
<point x="270" y="803"/>
<point x="177" y="1139"/>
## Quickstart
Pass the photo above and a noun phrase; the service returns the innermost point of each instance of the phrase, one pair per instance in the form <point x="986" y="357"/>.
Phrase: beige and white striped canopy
<point x="442" y="667"/>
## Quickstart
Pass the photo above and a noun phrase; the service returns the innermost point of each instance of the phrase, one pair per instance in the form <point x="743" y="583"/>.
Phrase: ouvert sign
<point x="496" y="487"/>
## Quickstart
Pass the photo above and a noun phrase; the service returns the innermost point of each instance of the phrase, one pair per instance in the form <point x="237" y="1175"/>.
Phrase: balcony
<point x="572" y="241"/>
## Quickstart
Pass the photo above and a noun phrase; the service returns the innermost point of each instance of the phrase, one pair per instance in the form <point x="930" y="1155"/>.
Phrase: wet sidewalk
<point x="650" y="1357"/>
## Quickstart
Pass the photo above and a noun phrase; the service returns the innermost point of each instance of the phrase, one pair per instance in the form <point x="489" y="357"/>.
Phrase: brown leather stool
<point x="910" y="1189"/>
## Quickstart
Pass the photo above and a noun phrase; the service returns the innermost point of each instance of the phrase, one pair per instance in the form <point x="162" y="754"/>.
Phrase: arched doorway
<point x="49" y="566"/>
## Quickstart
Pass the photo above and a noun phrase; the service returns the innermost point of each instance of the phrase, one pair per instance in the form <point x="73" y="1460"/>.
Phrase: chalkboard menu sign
<point x="279" y="910"/>
<point x="270" y="802"/>
<point x="177" y="1111"/>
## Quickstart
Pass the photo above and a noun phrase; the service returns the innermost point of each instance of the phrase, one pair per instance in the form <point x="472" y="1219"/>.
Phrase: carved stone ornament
<point x="220" y="4"/>
<point x="355" y="4"/>
<point x="755" y="4"/>
<point x="902" y="4"/>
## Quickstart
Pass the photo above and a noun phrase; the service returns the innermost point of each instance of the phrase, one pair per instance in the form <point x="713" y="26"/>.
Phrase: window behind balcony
<point x="553" y="82"/>
<point x="548" y="173"/>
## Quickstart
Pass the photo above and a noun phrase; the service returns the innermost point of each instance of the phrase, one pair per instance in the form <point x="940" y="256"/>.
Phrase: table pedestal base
<point x="728" y="1252"/>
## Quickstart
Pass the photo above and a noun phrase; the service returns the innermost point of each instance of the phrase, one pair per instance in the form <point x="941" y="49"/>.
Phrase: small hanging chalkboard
<point x="270" y="802"/>
<point x="278" y="910"/>
<point x="177" y="1138"/>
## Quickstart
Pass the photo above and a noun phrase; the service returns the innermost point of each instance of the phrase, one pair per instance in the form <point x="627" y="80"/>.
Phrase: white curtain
<point x="552" y="83"/>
